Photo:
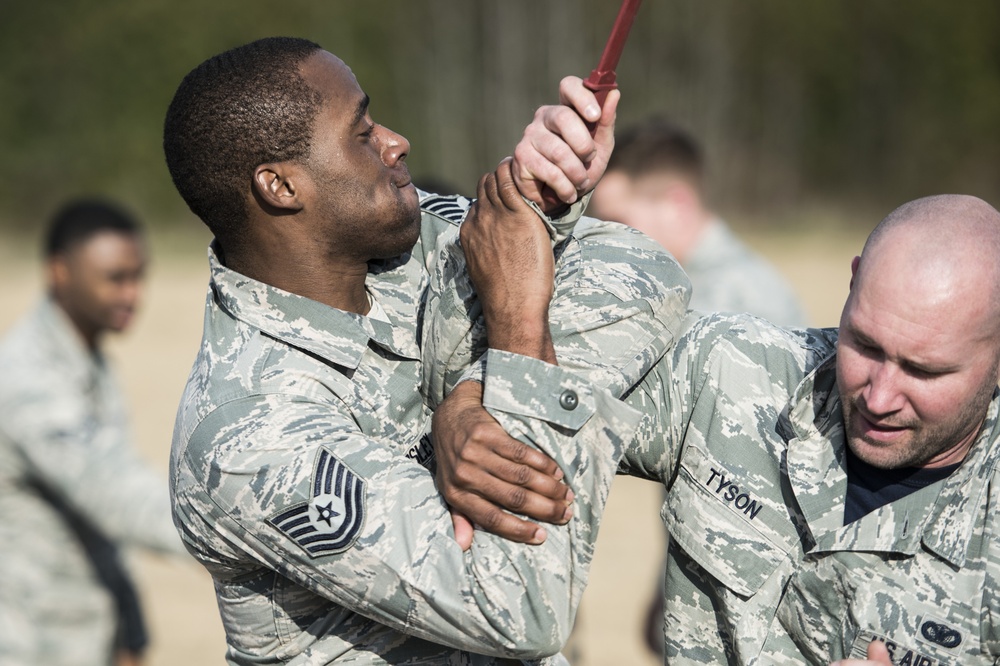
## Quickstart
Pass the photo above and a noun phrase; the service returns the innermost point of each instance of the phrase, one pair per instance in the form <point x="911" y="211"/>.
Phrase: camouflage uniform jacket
<point x="761" y="568"/>
<point x="727" y="276"/>
<point x="300" y="480"/>
<point x="72" y="489"/>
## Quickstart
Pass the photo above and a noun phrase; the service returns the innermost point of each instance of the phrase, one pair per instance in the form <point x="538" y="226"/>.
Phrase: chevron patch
<point x="451" y="207"/>
<point x="331" y="521"/>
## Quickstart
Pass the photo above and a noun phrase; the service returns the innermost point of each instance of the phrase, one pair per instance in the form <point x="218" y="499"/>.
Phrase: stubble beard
<point x="923" y="443"/>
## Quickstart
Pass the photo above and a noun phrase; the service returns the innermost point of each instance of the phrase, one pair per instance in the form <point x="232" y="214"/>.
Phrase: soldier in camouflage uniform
<point x="72" y="489"/>
<point x="299" y="469"/>
<point x="826" y="490"/>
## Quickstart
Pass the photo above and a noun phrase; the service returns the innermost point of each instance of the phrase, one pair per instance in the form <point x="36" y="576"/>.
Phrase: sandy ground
<point x="153" y="362"/>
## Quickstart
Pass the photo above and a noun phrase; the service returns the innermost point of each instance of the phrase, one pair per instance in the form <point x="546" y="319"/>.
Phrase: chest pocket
<point x="724" y="523"/>
<point x="721" y="519"/>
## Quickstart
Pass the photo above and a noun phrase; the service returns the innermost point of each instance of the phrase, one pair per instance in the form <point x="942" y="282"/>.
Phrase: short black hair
<point x="235" y="111"/>
<point x="78" y="220"/>
<point x="657" y="144"/>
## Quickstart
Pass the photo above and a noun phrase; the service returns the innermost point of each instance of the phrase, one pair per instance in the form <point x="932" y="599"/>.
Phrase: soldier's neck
<point x="337" y="283"/>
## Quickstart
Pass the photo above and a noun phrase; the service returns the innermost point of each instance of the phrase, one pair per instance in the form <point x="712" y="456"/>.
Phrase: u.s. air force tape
<point x="331" y="521"/>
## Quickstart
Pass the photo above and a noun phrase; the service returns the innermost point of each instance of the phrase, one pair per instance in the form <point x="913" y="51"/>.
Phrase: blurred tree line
<point x="847" y="104"/>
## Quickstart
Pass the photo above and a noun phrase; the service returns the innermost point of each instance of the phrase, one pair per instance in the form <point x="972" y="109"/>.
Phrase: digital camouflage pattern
<point x="301" y="472"/>
<point x="72" y="490"/>
<point x="761" y="568"/>
<point x="618" y="302"/>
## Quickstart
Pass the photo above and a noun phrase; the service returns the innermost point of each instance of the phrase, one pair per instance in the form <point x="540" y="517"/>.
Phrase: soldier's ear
<point x="277" y="185"/>
<point x="57" y="272"/>
<point x="854" y="270"/>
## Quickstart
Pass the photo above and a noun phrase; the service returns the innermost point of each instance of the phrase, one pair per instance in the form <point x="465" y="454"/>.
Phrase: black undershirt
<point x="869" y="487"/>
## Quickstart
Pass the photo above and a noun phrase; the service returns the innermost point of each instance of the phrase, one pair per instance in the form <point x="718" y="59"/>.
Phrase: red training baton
<point x="602" y="79"/>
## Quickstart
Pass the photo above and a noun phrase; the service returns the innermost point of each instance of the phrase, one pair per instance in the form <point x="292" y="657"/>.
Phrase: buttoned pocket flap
<point x="710" y="512"/>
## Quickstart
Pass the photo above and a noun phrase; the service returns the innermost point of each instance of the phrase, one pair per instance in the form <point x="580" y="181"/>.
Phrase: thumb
<point x="463" y="529"/>
<point x="878" y="653"/>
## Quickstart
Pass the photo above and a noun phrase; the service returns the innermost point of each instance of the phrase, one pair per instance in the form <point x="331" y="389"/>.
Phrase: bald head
<point x="939" y="253"/>
<point x="918" y="356"/>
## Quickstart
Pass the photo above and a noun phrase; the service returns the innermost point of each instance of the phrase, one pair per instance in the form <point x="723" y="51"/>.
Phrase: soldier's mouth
<point x="874" y="431"/>
<point x="402" y="179"/>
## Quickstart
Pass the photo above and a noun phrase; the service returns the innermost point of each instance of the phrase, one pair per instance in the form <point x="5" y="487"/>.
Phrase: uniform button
<point x="569" y="400"/>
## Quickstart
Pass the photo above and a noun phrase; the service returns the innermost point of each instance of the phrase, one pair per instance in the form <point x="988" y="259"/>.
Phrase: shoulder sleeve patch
<point x="331" y="521"/>
<point x="452" y="207"/>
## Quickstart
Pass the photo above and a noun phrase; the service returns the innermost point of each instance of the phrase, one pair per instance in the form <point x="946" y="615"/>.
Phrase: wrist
<point x="527" y="337"/>
<point x="470" y="390"/>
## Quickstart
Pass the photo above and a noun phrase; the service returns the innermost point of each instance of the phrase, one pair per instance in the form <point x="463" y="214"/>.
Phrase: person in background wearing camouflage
<point x="655" y="183"/>
<point x="300" y="468"/>
<point x="833" y="495"/>
<point x="72" y="489"/>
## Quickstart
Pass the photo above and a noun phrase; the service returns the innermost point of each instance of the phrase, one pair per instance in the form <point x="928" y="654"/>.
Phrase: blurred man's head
<point x="919" y="352"/>
<point x="96" y="259"/>
<point x="654" y="184"/>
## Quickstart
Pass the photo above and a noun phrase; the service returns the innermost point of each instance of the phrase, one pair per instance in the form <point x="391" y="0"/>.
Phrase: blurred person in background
<point x="655" y="183"/>
<point x="73" y="490"/>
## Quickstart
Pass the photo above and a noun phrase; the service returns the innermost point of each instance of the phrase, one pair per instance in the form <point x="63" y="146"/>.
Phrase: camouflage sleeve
<point x="617" y="308"/>
<point x="442" y="213"/>
<point x="293" y="485"/>
<point x="86" y="463"/>
<point x="722" y="365"/>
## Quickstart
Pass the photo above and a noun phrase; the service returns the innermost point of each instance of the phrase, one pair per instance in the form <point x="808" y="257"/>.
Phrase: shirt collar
<point x="816" y="424"/>
<point x="335" y="335"/>
<point x="954" y="515"/>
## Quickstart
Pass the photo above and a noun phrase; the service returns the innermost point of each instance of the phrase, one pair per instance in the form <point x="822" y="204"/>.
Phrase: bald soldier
<point x="834" y="496"/>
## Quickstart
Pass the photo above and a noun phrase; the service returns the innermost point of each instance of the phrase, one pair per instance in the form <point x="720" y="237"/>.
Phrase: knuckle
<point x="516" y="451"/>
<point x="521" y="475"/>
<point x="462" y="475"/>
<point x="477" y="434"/>
<point x="508" y="187"/>
<point x="567" y="82"/>
<point x="563" y="154"/>
<point x="563" y="114"/>
<point x="491" y="519"/>
<point x="517" y="498"/>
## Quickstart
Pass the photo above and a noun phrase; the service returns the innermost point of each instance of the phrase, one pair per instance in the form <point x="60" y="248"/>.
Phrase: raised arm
<point x="619" y="302"/>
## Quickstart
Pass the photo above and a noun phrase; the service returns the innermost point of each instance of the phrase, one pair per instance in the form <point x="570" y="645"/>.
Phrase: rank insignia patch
<point x="450" y="207"/>
<point x="331" y="521"/>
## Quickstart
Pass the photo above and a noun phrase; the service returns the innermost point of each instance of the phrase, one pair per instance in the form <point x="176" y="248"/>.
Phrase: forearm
<point x="618" y="306"/>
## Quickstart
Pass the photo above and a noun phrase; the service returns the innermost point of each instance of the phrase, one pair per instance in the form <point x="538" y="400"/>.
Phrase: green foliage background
<point x="846" y="104"/>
